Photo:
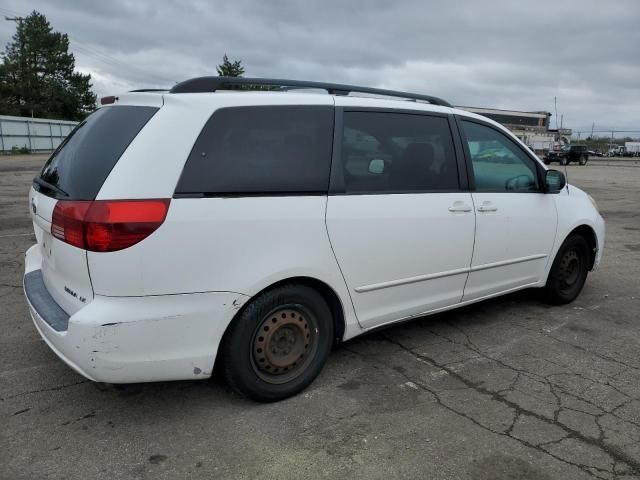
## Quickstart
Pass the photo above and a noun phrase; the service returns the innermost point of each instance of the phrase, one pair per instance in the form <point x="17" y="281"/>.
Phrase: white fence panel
<point x="35" y="134"/>
<point x="14" y="128"/>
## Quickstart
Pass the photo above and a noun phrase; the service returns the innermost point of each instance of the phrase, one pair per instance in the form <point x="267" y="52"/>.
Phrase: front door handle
<point x="460" y="207"/>
<point x="487" y="207"/>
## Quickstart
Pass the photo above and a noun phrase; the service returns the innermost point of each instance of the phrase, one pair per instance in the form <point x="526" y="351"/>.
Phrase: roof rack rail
<point x="212" y="84"/>
<point x="140" y="90"/>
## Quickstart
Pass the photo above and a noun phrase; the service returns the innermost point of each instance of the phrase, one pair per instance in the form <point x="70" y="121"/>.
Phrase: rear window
<point x="82" y="162"/>
<point x="262" y="149"/>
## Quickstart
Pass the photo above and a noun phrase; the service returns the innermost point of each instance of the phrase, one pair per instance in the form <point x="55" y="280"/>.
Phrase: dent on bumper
<point x="142" y="339"/>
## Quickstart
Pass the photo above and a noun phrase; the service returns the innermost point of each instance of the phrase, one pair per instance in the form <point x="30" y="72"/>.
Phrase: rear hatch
<point x="71" y="177"/>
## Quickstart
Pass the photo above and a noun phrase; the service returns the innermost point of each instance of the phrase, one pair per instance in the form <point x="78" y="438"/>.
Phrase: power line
<point x="117" y="64"/>
<point x="114" y="63"/>
<point x="606" y="131"/>
<point x="10" y="12"/>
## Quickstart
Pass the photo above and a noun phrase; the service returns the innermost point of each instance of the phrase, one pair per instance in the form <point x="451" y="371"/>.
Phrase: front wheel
<point x="278" y="344"/>
<point x="583" y="160"/>
<point x="563" y="161"/>
<point x="569" y="271"/>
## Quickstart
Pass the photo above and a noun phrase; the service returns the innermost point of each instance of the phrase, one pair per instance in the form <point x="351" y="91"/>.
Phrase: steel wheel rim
<point x="570" y="269"/>
<point x="284" y="344"/>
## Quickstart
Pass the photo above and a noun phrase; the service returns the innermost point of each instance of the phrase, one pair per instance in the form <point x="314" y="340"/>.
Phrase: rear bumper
<point x="41" y="301"/>
<point x="136" y="339"/>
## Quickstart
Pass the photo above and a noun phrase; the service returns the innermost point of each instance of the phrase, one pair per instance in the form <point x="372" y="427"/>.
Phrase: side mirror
<point x="554" y="181"/>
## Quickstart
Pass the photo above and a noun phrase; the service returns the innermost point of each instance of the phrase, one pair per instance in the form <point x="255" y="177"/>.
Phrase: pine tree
<point x="230" y="69"/>
<point x="37" y="75"/>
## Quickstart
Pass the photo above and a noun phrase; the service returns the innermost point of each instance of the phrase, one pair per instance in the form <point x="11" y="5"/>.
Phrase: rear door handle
<point x="460" y="207"/>
<point x="487" y="207"/>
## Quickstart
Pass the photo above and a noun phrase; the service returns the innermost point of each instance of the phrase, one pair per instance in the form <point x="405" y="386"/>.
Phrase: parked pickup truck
<point x="568" y="154"/>
<point x="617" y="151"/>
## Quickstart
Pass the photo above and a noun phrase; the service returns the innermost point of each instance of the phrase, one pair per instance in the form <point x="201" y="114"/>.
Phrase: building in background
<point x="530" y="127"/>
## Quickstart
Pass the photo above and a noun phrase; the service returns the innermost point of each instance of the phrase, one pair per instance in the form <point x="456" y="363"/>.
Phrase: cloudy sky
<point x="504" y="53"/>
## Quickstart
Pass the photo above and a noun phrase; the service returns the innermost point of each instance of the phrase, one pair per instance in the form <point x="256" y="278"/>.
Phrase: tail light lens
<point x="107" y="225"/>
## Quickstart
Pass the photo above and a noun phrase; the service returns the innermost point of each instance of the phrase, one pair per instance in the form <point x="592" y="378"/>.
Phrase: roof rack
<point x="140" y="90"/>
<point x="212" y="84"/>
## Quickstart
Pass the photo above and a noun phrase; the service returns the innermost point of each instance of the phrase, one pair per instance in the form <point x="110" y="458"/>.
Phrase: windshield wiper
<point x="50" y="186"/>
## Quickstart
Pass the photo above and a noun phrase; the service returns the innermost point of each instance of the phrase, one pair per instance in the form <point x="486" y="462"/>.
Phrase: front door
<point x="515" y="220"/>
<point x="400" y="225"/>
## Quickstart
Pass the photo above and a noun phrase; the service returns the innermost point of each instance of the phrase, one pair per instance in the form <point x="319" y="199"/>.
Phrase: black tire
<point x="299" y="342"/>
<point x="583" y="160"/>
<point x="547" y="162"/>
<point x="569" y="271"/>
<point x="563" y="161"/>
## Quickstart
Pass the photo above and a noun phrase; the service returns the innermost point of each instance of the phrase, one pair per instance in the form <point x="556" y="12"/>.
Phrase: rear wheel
<point x="583" y="160"/>
<point x="569" y="271"/>
<point x="278" y="344"/>
<point x="563" y="161"/>
<point x="547" y="162"/>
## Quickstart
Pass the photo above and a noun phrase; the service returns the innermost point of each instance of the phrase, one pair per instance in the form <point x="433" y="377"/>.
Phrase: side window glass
<point x="261" y="149"/>
<point x="396" y="152"/>
<point x="498" y="163"/>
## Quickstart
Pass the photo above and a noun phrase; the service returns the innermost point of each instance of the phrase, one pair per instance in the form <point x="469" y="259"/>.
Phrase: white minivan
<point x="216" y="225"/>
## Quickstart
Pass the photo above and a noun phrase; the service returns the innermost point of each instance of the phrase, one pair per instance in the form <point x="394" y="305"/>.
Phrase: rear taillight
<point x="107" y="225"/>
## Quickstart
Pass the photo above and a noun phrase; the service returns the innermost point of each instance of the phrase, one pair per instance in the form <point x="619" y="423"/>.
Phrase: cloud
<point x="502" y="54"/>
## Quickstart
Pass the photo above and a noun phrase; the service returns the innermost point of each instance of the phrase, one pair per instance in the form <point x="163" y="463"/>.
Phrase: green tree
<point x="37" y="75"/>
<point x="230" y="69"/>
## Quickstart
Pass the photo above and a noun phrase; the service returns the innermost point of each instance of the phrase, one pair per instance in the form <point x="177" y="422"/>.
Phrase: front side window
<point x="261" y="149"/>
<point x="397" y="152"/>
<point x="498" y="163"/>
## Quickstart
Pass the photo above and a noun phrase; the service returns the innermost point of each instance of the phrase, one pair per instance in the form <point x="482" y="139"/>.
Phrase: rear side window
<point x="396" y="152"/>
<point x="263" y="149"/>
<point x="82" y="162"/>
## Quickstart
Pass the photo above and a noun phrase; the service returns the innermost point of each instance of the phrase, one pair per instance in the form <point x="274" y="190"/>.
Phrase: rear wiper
<point x="50" y="186"/>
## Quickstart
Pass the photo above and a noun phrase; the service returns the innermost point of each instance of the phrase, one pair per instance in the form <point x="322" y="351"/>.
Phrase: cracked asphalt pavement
<point x="505" y="389"/>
